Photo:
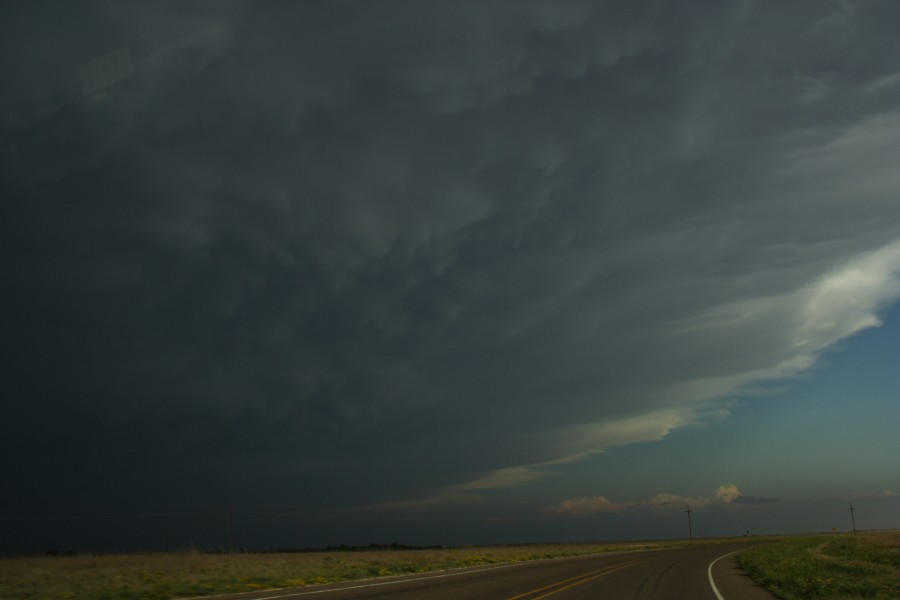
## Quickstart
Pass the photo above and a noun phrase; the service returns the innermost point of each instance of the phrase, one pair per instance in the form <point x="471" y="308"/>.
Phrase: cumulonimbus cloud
<point x="310" y="235"/>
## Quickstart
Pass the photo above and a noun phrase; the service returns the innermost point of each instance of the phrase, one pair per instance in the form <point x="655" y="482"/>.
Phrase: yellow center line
<point x="578" y="580"/>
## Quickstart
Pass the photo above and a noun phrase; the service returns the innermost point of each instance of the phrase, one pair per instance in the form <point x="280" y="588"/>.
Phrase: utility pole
<point x="852" y="520"/>
<point x="688" y="510"/>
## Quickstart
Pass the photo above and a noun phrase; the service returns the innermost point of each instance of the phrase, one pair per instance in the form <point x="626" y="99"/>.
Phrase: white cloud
<point x="582" y="507"/>
<point x="727" y="493"/>
<point x="586" y="506"/>
<point x="876" y="495"/>
<point x="508" y="477"/>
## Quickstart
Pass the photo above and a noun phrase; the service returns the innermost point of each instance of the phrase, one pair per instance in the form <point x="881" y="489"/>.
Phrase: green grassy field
<point x="865" y="565"/>
<point x="824" y="566"/>
<point x="180" y="574"/>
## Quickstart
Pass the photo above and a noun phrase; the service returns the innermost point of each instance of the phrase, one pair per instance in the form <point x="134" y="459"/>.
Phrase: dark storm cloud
<point x="347" y="253"/>
<point x="755" y="500"/>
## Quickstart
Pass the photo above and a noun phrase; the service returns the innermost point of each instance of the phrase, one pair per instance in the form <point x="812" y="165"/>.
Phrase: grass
<point x="865" y="565"/>
<point x="158" y="576"/>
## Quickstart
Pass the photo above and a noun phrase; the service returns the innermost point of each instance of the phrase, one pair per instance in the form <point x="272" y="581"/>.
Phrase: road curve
<point x="696" y="573"/>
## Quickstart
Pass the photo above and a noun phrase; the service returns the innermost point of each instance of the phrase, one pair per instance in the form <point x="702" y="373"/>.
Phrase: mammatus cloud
<point x="583" y="507"/>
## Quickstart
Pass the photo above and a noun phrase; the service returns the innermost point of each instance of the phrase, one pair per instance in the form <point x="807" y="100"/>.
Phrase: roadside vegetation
<point x="160" y="576"/>
<point x="864" y="565"/>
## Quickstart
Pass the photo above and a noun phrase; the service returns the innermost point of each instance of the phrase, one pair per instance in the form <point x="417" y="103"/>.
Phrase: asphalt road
<point x="698" y="573"/>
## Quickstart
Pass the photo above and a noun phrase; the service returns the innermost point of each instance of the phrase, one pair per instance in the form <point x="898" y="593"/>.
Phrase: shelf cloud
<point x="365" y="254"/>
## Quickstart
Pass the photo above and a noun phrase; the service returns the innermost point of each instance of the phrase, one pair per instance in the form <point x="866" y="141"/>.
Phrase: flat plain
<point x="862" y="565"/>
<point x="844" y="566"/>
<point x="163" y="575"/>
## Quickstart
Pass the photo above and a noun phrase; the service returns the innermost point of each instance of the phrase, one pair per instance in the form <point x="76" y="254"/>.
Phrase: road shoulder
<point x="734" y="584"/>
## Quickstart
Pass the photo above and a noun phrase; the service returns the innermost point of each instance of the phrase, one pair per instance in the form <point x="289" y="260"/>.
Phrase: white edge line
<point x="712" y="583"/>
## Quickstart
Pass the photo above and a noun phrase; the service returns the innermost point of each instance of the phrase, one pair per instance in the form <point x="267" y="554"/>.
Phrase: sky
<point x="346" y="272"/>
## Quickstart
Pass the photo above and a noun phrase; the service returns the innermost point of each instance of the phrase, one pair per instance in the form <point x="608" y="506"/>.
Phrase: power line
<point x="307" y="515"/>
<point x="231" y="512"/>
<point x="125" y="516"/>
